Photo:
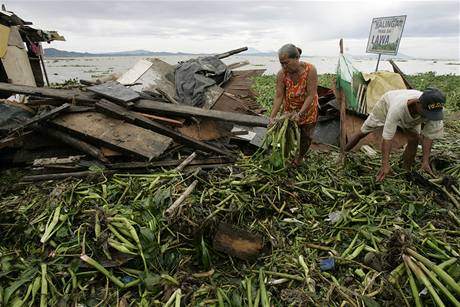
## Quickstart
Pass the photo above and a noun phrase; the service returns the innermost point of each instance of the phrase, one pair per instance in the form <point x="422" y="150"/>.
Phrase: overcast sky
<point x="432" y="27"/>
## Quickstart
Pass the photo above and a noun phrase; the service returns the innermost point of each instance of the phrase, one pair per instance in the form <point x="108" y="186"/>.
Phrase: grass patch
<point x="448" y="84"/>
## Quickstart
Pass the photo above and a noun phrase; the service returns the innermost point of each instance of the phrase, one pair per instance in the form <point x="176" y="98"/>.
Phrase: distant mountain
<point x="53" y="52"/>
<point x="56" y="53"/>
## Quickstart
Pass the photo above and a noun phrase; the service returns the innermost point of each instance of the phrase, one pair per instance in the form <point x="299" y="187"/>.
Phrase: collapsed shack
<point x="21" y="51"/>
<point x="157" y="113"/>
<point x="117" y="124"/>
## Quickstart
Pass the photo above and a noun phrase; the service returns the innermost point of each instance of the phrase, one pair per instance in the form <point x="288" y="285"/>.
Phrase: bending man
<point x="407" y="109"/>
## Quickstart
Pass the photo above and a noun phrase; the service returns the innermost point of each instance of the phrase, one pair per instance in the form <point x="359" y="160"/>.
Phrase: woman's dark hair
<point x="290" y="50"/>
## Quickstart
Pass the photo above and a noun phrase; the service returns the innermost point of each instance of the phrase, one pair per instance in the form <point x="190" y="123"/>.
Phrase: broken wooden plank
<point x="67" y="95"/>
<point x="55" y="160"/>
<point x="240" y="87"/>
<point x="89" y="149"/>
<point x="170" y="163"/>
<point x="172" y="100"/>
<point x="237" y="242"/>
<point x="164" y="120"/>
<point x="42" y="101"/>
<point x="187" y="111"/>
<point x="60" y="176"/>
<point x="107" y="152"/>
<point x="243" y="104"/>
<point x="211" y="95"/>
<point x="135" y="72"/>
<point x="114" y="134"/>
<point x="176" y="205"/>
<point x="207" y="130"/>
<point x="129" y="116"/>
<point x="238" y="64"/>
<point x="186" y="162"/>
<point x="114" y="91"/>
<point x="56" y="168"/>
<point x="17" y="66"/>
<point x="151" y="74"/>
<point x="78" y="109"/>
<point x="403" y="76"/>
<point x="25" y="156"/>
<point x="166" y="96"/>
<point x="231" y="52"/>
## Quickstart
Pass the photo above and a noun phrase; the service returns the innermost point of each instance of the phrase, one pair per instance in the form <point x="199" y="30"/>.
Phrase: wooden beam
<point x="68" y="95"/>
<point x="181" y="199"/>
<point x="238" y="64"/>
<point x="119" y="112"/>
<point x="118" y="135"/>
<point x="403" y="76"/>
<point x="157" y="107"/>
<point x="231" y="52"/>
<point x="164" y="120"/>
<point x="89" y="149"/>
<point x="237" y="242"/>
<point x="186" y="162"/>
<point x="343" y="113"/>
<point x="114" y="91"/>
<point x="169" y="163"/>
<point x="59" y="176"/>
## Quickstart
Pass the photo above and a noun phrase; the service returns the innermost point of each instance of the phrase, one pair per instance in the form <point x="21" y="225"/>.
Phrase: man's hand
<point x="427" y="168"/>
<point x="383" y="172"/>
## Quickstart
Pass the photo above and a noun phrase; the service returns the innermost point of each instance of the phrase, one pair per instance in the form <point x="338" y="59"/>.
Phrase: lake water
<point x="61" y="69"/>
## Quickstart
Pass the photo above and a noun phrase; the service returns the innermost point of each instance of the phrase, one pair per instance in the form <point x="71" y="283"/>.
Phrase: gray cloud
<point x="252" y="21"/>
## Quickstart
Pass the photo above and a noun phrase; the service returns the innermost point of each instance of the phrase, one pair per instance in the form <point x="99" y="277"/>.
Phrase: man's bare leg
<point x="355" y="140"/>
<point x="411" y="150"/>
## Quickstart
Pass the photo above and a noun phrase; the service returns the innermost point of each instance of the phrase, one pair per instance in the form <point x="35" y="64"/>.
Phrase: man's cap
<point x="432" y="101"/>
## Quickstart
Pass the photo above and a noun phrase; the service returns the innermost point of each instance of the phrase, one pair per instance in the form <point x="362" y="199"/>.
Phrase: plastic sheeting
<point x="194" y="76"/>
<point x="381" y="82"/>
<point x="11" y="117"/>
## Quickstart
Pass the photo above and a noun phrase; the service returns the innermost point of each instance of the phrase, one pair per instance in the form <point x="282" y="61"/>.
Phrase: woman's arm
<point x="279" y="94"/>
<point x="312" y="88"/>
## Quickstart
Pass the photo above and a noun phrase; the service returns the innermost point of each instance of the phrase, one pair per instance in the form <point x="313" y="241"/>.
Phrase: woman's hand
<point x="296" y="116"/>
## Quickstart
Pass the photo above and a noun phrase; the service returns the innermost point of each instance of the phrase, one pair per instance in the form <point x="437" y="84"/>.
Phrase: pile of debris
<point x="148" y="117"/>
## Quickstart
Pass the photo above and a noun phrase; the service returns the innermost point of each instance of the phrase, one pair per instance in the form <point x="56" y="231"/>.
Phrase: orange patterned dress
<point x="295" y="95"/>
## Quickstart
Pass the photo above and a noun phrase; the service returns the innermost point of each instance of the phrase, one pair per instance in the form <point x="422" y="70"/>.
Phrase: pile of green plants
<point x="333" y="236"/>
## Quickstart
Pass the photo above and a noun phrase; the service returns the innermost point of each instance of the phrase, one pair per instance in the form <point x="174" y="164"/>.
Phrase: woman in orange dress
<point x="296" y="90"/>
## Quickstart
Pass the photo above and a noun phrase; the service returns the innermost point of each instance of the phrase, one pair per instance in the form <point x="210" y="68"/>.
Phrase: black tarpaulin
<point x="194" y="76"/>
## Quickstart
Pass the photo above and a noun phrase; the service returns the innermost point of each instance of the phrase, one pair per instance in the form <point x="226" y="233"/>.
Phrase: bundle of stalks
<point x="281" y="144"/>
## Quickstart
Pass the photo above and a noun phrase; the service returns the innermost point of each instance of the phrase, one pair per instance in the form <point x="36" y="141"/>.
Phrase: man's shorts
<point x="371" y="124"/>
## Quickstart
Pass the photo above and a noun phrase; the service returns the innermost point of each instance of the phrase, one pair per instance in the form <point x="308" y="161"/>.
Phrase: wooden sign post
<point x="340" y="98"/>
